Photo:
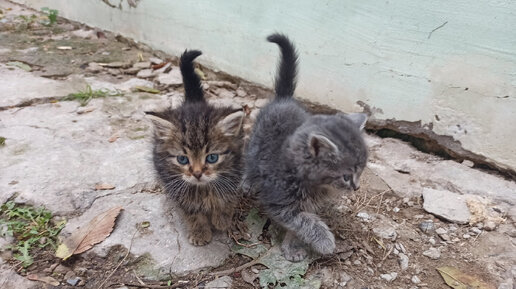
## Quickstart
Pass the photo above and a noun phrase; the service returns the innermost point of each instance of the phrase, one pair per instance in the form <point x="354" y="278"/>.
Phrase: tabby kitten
<point x="197" y="155"/>
<point x="294" y="160"/>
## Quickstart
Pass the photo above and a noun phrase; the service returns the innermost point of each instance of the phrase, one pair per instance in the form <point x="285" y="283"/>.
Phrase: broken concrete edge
<point x="426" y="140"/>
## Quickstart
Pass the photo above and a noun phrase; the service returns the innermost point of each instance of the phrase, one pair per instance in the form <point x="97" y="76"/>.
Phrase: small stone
<point x="431" y="241"/>
<point x="86" y="34"/>
<point x="171" y="78"/>
<point x="142" y="65"/>
<point x="389" y="277"/>
<point x="357" y="262"/>
<point x="490" y="226"/>
<point x="222" y="282"/>
<point x="364" y="216"/>
<point x="145" y="73"/>
<point x="94" y="67"/>
<point x="132" y="71"/>
<point x="401" y="248"/>
<point x="480" y="225"/>
<point x="385" y="231"/>
<point x="452" y="228"/>
<point x="395" y="251"/>
<point x="224" y="93"/>
<point x="406" y="200"/>
<point x="455" y="240"/>
<point x="415" y="279"/>
<point x="466" y="236"/>
<point x="255" y="270"/>
<point x="475" y="230"/>
<point x="445" y="237"/>
<point x="241" y="93"/>
<point x="61" y="269"/>
<point x="73" y="281"/>
<point x="441" y="231"/>
<point x="261" y="102"/>
<point x="447" y="205"/>
<point x="69" y="275"/>
<point x="344" y="278"/>
<point x="426" y="226"/>
<point x="396" y="209"/>
<point x="468" y="163"/>
<point x="155" y="60"/>
<point x="432" y="253"/>
<point x="417" y="217"/>
<point x="403" y="261"/>
<point x="118" y="64"/>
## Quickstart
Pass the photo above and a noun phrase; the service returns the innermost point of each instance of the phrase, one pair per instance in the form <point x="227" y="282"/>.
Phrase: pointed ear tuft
<point x="231" y="124"/>
<point x="359" y="119"/>
<point x="163" y="128"/>
<point x="320" y="144"/>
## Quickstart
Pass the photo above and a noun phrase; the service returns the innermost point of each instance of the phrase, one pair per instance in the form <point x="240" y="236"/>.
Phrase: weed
<point x="28" y="19"/>
<point x="31" y="227"/>
<point x="84" y="97"/>
<point x="51" y="15"/>
<point x="2" y="141"/>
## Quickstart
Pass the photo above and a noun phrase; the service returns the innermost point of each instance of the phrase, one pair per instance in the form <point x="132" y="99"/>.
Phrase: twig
<point x="153" y="286"/>
<point x="138" y="278"/>
<point x="120" y="263"/>
<point x="239" y="268"/>
<point x="438" y="27"/>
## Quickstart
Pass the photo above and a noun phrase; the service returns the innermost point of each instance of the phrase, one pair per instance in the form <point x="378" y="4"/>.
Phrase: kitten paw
<point x="200" y="237"/>
<point x="294" y="254"/>
<point x="324" y="241"/>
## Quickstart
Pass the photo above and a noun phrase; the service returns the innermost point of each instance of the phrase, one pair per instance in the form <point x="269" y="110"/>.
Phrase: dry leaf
<point x="95" y="232"/>
<point x="64" y="47"/>
<point x="45" y="279"/>
<point x="103" y="186"/>
<point x="458" y="280"/>
<point x="147" y="89"/>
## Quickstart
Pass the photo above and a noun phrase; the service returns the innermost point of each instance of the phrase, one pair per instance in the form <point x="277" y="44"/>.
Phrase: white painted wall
<point x="381" y="52"/>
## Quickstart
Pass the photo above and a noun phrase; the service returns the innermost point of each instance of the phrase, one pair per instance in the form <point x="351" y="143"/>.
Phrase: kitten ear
<point x="162" y="127"/>
<point x="319" y="143"/>
<point x="231" y="124"/>
<point x="359" y="119"/>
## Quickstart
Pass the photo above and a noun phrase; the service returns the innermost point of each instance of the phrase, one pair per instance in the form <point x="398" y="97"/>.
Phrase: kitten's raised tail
<point x="287" y="66"/>
<point x="191" y="81"/>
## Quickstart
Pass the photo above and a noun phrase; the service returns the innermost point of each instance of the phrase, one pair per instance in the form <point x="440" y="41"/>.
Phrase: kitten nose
<point x="197" y="174"/>
<point x="355" y="186"/>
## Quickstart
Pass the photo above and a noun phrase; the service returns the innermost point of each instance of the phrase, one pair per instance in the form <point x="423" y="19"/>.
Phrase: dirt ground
<point x="383" y="238"/>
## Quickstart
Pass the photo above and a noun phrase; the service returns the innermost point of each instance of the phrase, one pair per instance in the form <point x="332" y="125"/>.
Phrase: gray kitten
<point x="295" y="160"/>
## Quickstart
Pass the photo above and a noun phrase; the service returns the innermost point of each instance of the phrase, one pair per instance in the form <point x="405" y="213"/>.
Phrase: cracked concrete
<point x="57" y="151"/>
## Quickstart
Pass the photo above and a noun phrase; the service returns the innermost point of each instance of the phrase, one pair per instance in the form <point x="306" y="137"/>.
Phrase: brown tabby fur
<point x="206" y="193"/>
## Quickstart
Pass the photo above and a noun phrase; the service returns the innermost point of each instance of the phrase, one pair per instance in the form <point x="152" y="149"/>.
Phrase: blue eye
<point x="182" y="160"/>
<point x="212" y="158"/>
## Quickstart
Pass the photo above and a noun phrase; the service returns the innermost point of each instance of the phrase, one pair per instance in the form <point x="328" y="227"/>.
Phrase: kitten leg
<point x="308" y="228"/>
<point x="222" y="217"/>
<point x="199" y="231"/>
<point x="293" y="249"/>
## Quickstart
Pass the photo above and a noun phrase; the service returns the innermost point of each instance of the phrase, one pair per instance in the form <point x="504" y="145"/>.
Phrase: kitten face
<point x="337" y="152"/>
<point x="198" y="145"/>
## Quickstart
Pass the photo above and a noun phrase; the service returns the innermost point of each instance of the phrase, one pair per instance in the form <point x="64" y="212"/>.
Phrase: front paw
<point x="324" y="241"/>
<point x="200" y="236"/>
<point x="293" y="253"/>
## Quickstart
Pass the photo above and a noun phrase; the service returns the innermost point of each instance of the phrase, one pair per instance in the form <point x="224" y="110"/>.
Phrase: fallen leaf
<point x="147" y="89"/>
<point x="145" y="224"/>
<point x="44" y="279"/>
<point x="64" y="47"/>
<point x="2" y="141"/>
<point x="103" y="186"/>
<point x="459" y="280"/>
<point x="113" y="138"/>
<point x="20" y="65"/>
<point x="158" y="66"/>
<point x="96" y="231"/>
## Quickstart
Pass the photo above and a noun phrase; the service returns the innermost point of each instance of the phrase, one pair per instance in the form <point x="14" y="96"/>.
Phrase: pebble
<point x="364" y="216"/>
<point x="426" y="226"/>
<point x="404" y="261"/>
<point x="94" y="67"/>
<point x="69" y="275"/>
<point x="224" y="93"/>
<point x="389" y="277"/>
<point x="145" y="73"/>
<point x="441" y="231"/>
<point x="445" y="237"/>
<point x="489" y="226"/>
<point x="432" y="253"/>
<point x="432" y="241"/>
<point x="255" y="270"/>
<point x="415" y="279"/>
<point x="344" y="278"/>
<point x="396" y="209"/>
<point x="155" y="60"/>
<point x="357" y="262"/>
<point x="142" y="65"/>
<point x="73" y="281"/>
<point x="241" y="93"/>
<point x="475" y="230"/>
<point x="222" y="282"/>
<point x="466" y="236"/>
